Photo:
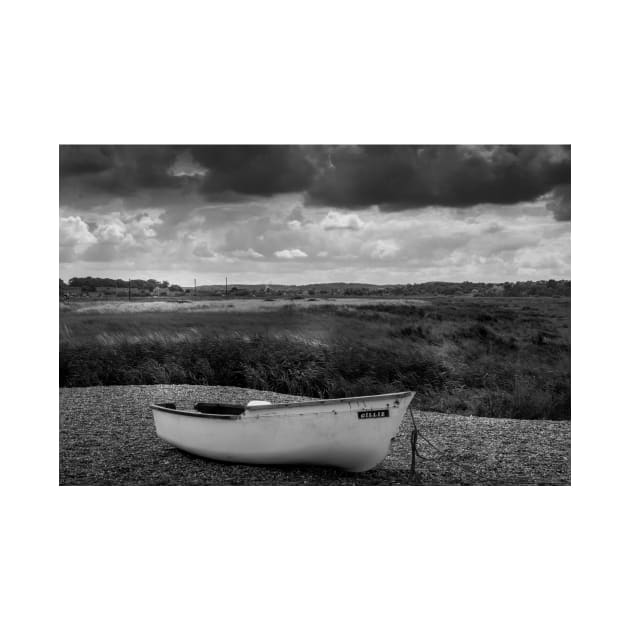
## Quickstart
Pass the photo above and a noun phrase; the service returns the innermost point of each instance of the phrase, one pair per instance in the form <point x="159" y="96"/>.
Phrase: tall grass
<point x="501" y="358"/>
<point x="260" y="362"/>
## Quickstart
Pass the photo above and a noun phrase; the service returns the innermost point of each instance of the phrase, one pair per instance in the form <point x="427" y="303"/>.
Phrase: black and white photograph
<point x="315" y="314"/>
<point x="328" y="350"/>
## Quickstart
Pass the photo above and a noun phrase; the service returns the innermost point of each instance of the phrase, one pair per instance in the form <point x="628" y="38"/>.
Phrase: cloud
<point x="492" y="243"/>
<point x="249" y="253"/>
<point x="123" y="229"/>
<point x="341" y="221"/>
<point x="74" y="231"/>
<point x="107" y="251"/>
<point x="392" y="178"/>
<point x="382" y="249"/>
<point x="84" y="160"/>
<point x="400" y="177"/>
<point x="203" y="251"/>
<point x="560" y="203"/>
<point x="143" y="226"/>
<point x="113" y="231"/>
<point x="290" y="253"/>
<point x="108" y="236"/>
<point x="117" y="170"/>
<point x="255" y="169"/>
<point x="74" y="238"/>
<point x="184" y="165"/>
<point x="297" y="214"/>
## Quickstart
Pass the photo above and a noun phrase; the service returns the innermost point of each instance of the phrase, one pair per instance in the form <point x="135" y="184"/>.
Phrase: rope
<point x="442" y="454"/>
<point x="414" y="442"/>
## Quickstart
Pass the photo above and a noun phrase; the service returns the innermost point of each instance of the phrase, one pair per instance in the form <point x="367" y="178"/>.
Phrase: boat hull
<point x="349" y="433"/>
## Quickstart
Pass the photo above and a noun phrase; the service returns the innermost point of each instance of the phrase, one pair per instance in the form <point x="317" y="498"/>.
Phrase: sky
<point x="272" y="214"/>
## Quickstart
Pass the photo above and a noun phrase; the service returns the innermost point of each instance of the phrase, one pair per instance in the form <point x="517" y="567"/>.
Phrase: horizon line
<point x="309" y="284"/>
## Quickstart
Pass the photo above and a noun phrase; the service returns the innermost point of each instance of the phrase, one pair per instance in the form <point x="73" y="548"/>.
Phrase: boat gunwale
<point x="301" y="403"/>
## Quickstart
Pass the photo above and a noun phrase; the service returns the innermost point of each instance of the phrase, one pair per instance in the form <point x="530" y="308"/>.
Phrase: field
<point x="491" y="357"/>
<point x="107" y="437"/>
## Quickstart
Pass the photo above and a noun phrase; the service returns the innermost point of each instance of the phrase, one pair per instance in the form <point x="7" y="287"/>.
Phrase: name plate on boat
<point x="373" y="413"/>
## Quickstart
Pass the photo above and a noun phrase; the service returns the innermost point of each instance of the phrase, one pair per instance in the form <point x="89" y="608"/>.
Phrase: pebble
<point x="107" y="437"/>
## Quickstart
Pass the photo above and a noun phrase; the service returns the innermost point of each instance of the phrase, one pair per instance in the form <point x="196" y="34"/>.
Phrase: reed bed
<point x="491" y="357"/>
<point x="113" y="307"/>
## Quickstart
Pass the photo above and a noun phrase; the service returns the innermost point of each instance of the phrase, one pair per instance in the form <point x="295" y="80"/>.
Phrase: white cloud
<point x="383" y="248"/>
<point x="290" y="253"/>
<point x="113" y="231"/>
<point x="118" y="229"/>
<point x="74" y="231"/>
<point x="249" y="253"/>
<point x="250" y="240"/>
<point x="117" y="235"/>
<point x="340" y="221"/>
<point x="185" y="165"/>
<point x="142" y="227"/>
<point x="74" y="238"/>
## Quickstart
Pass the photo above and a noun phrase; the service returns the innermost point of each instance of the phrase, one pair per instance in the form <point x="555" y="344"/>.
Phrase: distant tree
<point x="239" y="292"/>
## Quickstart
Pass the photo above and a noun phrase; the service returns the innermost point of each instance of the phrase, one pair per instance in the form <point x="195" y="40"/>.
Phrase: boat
<point x="349" y="433"/>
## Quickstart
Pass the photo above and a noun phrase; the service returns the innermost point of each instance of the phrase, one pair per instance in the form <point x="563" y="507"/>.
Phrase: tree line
<point x="530" y="288"/>
<point x="540" y="288"/>
<point x="89" y="283"/>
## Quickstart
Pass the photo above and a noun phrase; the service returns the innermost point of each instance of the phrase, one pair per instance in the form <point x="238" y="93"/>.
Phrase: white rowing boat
<point x="349" y="433"/>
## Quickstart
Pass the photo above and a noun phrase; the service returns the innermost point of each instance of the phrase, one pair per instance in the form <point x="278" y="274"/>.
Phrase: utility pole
<point x="194" y="288"/>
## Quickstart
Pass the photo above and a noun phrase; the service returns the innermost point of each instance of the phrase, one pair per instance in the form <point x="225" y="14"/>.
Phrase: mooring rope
<point x="442" y="454"/>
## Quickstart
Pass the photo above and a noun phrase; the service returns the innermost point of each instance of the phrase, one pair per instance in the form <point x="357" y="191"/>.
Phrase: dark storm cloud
<point x="255" y="170"/>
<point x="390" y="177"/>
<point x="84" y="160"/>
<point x="560" y="203"/>
<point x="403" y="177"/>
<point x="225" y="173"/>
<point x="117" y="170"/>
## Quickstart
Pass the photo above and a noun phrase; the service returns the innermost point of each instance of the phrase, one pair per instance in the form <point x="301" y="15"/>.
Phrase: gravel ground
<point x="107" y="437"/>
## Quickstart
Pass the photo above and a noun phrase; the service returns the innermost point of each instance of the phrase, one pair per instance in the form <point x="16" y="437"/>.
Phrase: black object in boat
<point x="220" y="409"/>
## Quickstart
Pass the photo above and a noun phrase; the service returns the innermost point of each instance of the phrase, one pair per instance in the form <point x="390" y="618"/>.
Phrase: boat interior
<point x="220" y="408"/>
<point x="211" y="408"/>
<point x="232" y="411"/>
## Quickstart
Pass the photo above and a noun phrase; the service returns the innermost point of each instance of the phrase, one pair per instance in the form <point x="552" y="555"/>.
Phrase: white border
<point x="453" y="72"/>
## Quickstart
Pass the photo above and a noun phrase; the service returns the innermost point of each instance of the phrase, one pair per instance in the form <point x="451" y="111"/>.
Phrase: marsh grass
<point x="486" y="357"/>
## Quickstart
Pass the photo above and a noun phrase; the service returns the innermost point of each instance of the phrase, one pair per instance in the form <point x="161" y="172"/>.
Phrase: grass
<point x="495" y="357"/>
